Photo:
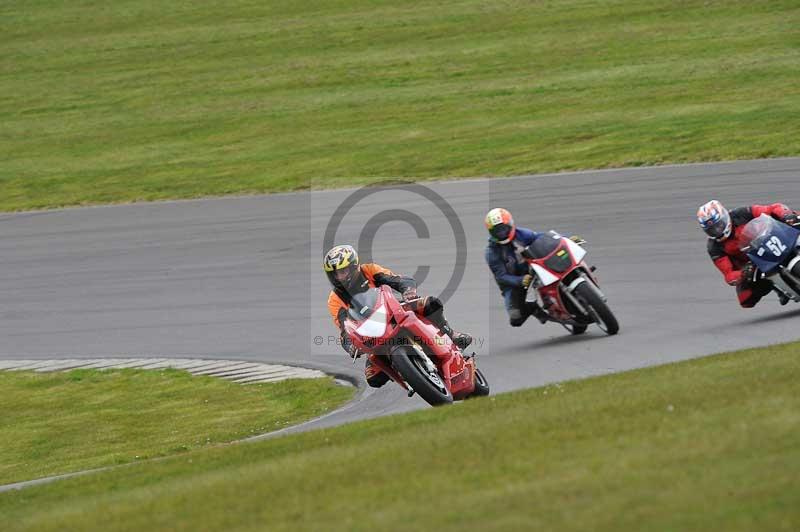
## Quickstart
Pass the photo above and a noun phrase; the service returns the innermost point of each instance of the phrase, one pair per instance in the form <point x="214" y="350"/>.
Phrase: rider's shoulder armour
<point x="741" y="216"/>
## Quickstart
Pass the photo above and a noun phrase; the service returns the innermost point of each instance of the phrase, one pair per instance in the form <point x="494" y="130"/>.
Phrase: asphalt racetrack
<point x="241" y="278"/>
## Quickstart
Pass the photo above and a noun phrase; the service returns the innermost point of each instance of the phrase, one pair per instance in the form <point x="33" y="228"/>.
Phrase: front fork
<point x="566" y="291"/>
<point x="786" y="282"/>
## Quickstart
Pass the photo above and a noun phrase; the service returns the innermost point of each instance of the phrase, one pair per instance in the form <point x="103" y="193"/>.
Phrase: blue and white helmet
<point x="715" y="220"/>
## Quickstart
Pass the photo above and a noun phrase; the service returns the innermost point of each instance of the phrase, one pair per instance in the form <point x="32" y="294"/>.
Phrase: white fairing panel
<point x="544" y="276"/>
<point x="532" y="295"/>
<point x="375" y="326"/>
<point x="577" y="251"/>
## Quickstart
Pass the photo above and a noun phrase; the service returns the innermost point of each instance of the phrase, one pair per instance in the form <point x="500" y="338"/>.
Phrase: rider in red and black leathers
<point x="726" y="251"/>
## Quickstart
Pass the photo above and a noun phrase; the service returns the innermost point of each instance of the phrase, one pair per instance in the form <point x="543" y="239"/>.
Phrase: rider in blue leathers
<point x="503" y="255"/>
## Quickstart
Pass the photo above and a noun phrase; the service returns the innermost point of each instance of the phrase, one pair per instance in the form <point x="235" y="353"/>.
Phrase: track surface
<point x="240" y="278"/>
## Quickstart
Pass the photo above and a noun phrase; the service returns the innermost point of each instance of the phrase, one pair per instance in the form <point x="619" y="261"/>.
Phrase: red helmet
<point x="501" y="226"/>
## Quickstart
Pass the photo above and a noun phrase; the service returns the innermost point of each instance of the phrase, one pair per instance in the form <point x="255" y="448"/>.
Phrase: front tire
<point x="601" y="313"/>
<point x="410" y="365"/>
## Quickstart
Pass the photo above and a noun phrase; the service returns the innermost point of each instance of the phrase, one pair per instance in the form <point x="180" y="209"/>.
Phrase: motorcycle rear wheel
<point x="481" y="385"/>
<point x="410" y="366"/>
<point x="605" y="319"/>
<point x="576" y="329"/>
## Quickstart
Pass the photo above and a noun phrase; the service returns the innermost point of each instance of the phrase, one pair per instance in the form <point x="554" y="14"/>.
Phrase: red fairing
<point x="457" y="372"/>
<point x="551" y="294"/>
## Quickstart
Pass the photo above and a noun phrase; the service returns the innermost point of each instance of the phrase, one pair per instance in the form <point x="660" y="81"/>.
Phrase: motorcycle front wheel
<point x="427" y="384"/>
<point x="601" y="313"/>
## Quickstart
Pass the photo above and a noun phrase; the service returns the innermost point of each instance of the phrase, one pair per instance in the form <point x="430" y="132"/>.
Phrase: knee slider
<point x="515" y="317"/>
<point x="376" y="381"/>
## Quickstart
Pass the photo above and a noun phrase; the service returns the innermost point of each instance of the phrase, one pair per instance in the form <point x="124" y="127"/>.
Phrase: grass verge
<point x="61" y="422"/>
<point x="141" y="100"/>
<point x="709" y="444"/>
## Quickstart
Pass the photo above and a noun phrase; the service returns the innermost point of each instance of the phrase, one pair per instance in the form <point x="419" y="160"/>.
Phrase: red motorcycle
<point x="565" y="286"/>
<point x="410" y="350"/>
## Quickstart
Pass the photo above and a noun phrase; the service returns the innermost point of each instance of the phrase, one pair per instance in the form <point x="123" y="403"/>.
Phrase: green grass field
<point x="137" y="100"/>
<point x="709" y="444"/>
<point x="61" y="422"/>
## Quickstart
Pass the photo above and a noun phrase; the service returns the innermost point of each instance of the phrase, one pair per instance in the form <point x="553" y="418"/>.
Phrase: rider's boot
<point x="435" y="313"/>
<point x="538" y="312"/>
<point x="783" y="298"/>
<point x="462" y="340"/>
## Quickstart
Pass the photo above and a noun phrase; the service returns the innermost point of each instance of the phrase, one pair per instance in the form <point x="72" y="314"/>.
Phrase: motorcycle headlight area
<point x="375" y="326"/>
<point x="545" y="277"/>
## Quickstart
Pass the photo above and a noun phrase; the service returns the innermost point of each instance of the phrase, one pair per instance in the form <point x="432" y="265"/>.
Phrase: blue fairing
<point x="773" y="245"/>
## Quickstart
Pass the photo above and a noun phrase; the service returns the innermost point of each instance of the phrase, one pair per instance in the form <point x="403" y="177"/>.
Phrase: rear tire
<point x="575" y="328"/>
<point x="591" y="297"/>
<point x="481" y="385"/>
<point x="578" y="329"/>
<point x="410" y="366"/>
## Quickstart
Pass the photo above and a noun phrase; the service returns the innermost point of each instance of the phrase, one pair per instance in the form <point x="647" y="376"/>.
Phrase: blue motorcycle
<point x="774" y="249"/>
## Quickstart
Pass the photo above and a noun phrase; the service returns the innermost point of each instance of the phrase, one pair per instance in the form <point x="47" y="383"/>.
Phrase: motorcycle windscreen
<point x="543" y="246"/>
<point x="362" y="304"/>
<point x="375" y="325"/>
<point x="560" y="262"/>
<point x="769" y="242"/>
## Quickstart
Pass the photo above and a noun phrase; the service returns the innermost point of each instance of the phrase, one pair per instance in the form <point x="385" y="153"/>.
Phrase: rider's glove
<point x="347" y="343"/>
<point x="791" y="219"/>
<point x="747" y="273"/>
<point x="410" y="293"/>
<point x="350" y="347"/>
<point x="578" y="240"/>
<point x="526" y="281"/>
<point x="354" y="352"/>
